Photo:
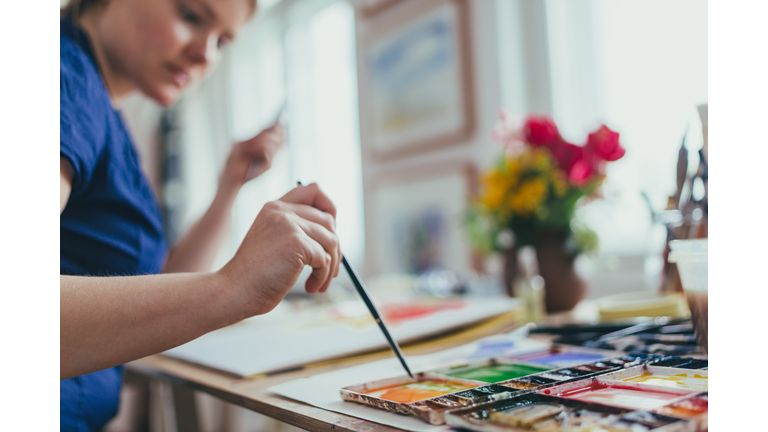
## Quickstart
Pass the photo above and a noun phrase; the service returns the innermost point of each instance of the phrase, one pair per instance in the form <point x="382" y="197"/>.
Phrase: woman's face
<point x="161" y="46"/>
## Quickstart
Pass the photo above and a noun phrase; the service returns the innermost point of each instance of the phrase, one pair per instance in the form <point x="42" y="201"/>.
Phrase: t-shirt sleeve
<point x="82" y="120"/>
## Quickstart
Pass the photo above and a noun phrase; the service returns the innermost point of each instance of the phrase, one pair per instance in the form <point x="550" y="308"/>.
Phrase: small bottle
<point x="530" y="285"/>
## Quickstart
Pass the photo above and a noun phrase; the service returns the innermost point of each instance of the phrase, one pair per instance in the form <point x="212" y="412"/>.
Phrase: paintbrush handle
<point x="367" y="299"/>
<point x="360" y="288"/>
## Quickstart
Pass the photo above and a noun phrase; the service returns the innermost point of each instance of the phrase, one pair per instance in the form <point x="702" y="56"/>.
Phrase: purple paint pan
<point x="562" y="356"/>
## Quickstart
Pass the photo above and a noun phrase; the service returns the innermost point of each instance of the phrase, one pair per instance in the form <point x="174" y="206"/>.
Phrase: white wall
<point x="477" y="150"/>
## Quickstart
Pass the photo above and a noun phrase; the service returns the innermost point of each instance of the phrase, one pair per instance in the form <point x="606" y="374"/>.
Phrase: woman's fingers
<point x="310" y="195"/>
<point x="312" y="214"/>
<point x="320" y="261"/>
<point x="321" y="227"/>
<point x="312" y="204"/>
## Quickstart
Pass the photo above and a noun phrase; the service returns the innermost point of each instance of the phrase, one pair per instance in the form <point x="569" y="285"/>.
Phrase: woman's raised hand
<point x="258" y="152"/>
<point x="298" y="229"/>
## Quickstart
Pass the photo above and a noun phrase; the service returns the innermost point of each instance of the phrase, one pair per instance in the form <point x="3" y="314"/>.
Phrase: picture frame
<point x="415" y="80"/>
<point x="369" y="8"/>
<point x="416" y="219"/>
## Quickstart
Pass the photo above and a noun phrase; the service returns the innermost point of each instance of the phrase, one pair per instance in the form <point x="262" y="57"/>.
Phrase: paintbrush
<point x="657" y="323"/>
<point x="367" y="299"/>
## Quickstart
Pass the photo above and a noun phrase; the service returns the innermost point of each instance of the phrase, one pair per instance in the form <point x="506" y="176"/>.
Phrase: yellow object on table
<point x="642" y="304"/>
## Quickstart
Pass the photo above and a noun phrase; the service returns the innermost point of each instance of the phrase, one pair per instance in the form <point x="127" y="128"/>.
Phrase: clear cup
<point x="691" y="259"/>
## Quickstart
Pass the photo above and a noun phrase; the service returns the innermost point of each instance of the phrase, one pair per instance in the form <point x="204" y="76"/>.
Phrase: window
<point x="640" y="68"/>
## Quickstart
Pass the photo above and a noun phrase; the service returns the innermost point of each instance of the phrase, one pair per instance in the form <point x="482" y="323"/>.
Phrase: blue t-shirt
<point x="111" y="224"/>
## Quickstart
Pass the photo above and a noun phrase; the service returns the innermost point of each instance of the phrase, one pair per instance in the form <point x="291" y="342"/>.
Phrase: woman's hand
<point x="197" y="248"/>
<point x="259" y="151"/>
<point x="298" y="229"/>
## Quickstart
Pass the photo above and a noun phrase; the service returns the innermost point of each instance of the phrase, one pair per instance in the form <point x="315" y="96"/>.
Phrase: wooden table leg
<point x="185" y="409"/>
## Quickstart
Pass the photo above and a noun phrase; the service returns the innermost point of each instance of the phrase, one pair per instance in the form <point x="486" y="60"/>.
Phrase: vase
<point x="563" y="287"/>
<point x="511" y="270"/>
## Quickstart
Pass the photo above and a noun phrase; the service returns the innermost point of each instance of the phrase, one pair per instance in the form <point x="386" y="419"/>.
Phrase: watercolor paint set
<point x="430" y="395"/>
<point x="682" y="362"/>
<point x="662" y="376"/>
<point x="590" y="405"/>
<point x="543" y="413"/>
<point x="675" y="337"/>
<point x="395" y="394"/>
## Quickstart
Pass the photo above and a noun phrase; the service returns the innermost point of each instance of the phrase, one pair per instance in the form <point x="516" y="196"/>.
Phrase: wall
<point x="476" y="150"/>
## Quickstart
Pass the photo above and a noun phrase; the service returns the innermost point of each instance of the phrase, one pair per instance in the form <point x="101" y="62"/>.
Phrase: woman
<point x="109" y="220"/>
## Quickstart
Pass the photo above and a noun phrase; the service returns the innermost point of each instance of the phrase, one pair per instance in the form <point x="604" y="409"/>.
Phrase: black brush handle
<point x="367" y="299"/>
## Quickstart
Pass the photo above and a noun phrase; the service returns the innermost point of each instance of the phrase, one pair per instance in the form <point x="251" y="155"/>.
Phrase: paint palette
<point x="618" y="393"/>
<point x="694" y="409"/>
<point x="663" y="376"/>
<point x="417" y="397"/>
<point x="433" y="410"/>
<point x="682" y="362"/>
<point x="553" y="390"/>
<point x="394" y="394"/>
<point x="537" y="412"/>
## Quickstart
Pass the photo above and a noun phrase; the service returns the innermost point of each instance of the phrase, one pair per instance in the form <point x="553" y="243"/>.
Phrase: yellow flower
<point x="512" y="166"/>
<point x="540" y="159"/>
<point x="528" y="196"/>
<point x="495" y="187"/>
<point x="559" y="183"/>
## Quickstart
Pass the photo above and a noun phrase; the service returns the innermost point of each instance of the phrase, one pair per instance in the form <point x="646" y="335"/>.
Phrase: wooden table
<point x="252" y="393"/>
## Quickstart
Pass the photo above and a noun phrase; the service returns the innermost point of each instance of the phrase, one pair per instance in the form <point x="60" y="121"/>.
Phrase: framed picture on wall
<point x="417" y="219"/>
<point x="369" y="8"/>
<point x="415" y="81"/>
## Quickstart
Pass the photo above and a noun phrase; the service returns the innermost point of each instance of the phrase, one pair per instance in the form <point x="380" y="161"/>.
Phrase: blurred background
<point x="401" y="189"/>
<point x="641" y="69"/>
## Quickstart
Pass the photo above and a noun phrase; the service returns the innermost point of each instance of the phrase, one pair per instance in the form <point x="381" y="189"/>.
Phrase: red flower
<point x="540" y="131"/>
<point x="566" y="155"/>
<point x="575" y="161"/>
<point x="604" y="143"/>
<point x="581" y="172"/>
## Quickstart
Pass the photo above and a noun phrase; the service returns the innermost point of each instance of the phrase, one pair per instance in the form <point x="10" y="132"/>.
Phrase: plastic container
<point x="691" y="259"/>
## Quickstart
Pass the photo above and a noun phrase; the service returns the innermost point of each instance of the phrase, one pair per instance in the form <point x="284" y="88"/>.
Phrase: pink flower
<point x="604" y="143"/>
<point x="508" y="132"/>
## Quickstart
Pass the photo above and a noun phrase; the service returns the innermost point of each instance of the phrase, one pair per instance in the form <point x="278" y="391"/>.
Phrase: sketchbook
<point x="278" y="342"/>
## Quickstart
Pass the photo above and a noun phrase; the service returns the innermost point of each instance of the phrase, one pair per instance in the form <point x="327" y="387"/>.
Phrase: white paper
<point x="274" y="343"/>
<point x="322" y="390"/>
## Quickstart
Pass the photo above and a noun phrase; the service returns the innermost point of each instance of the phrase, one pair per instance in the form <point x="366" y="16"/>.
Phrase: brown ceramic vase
<point x="563" y="288"/>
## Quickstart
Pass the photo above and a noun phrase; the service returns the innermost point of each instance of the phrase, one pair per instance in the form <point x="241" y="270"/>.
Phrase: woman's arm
<point x="197" y="248"/>
<point x="108" y="321"/>
<point x="65" y="184"/>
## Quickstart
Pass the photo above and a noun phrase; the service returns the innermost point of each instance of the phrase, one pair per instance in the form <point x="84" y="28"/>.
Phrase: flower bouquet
<point x="533" y="190"/>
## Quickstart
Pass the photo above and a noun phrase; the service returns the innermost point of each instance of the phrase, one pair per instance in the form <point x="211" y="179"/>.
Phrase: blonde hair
<point x="74" y="8"/>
